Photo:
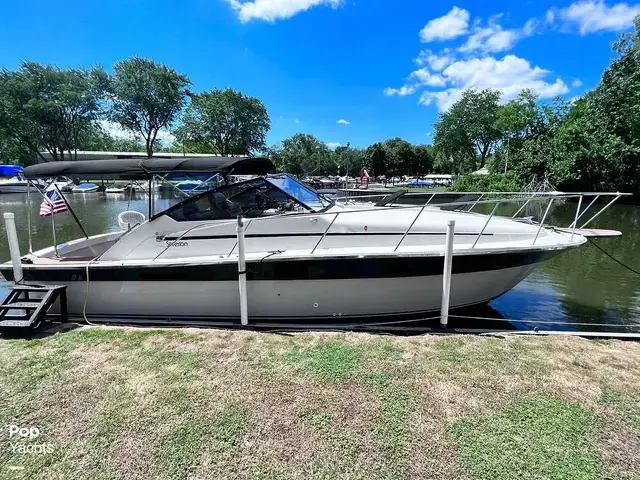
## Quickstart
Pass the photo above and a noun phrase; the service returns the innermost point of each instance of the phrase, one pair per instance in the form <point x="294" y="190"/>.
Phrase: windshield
<point x="301" y="193"/>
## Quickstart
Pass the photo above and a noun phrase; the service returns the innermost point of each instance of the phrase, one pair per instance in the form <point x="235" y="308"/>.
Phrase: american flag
<point x="54" y="203"/>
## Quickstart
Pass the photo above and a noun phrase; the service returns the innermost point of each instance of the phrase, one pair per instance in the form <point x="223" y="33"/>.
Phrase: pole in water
<point x="242" y="273"/>
<point x="446" y="273"/>
<point x="14" y="246"/>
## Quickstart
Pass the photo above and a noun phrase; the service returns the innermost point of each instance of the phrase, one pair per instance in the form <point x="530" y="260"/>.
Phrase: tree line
<point x="46" y="108"/>
<point x="590" y="143"/>
<point x="303" y="154"/>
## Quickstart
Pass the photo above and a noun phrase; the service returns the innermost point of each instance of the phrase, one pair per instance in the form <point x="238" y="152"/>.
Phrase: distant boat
<point x="85" y="188"/>
<point x="420" y="183"/>
<point x="64" y="184"/>
<point x="12" y="179"/>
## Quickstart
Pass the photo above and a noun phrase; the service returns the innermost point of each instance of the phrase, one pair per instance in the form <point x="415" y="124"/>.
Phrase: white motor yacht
<point x="12" y="180"/>
<point x="308" y="258"/>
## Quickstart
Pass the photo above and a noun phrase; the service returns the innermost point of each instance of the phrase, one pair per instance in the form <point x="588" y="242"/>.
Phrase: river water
<point x="582" y="287"/>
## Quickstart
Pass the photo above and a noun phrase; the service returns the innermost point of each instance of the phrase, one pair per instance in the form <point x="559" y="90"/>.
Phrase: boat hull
<point x="13" y="188"/>
<point x="342" y="300"/>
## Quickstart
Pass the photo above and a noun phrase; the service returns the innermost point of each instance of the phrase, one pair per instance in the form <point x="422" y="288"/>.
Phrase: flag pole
<point x="71" y="211"/>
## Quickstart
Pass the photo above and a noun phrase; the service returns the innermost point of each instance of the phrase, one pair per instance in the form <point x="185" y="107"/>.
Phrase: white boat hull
<point x="14" y="189"/>
<point x="291" y="301"/>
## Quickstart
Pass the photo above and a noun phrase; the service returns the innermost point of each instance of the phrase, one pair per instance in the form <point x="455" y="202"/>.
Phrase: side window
<point x="213" y="206"/>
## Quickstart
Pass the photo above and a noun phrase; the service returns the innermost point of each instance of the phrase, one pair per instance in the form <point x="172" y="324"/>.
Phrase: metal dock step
<point x="34" y="301"/>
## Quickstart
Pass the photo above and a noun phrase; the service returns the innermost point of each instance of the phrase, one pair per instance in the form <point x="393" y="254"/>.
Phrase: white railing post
<point x="575" y="222"/>
<point x="601" y="210"/>
<point x="242" y="273"/>
<point x="446" y="273"/>
<point x="14" y="246"/>
<point x="410" y="227"/>
<point x="544" y="217"/>
<point x="495" y="207"/>
<point x="325" y="233"/>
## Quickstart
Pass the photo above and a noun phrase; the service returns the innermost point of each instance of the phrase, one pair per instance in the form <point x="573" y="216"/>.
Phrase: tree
<point x="377" y="157"/>
<point x="468" y="130"/>
<point x="146" y="97"/>
<point x="424" y="159"/>
<point x="14" y="152"/>
<point x="347" y="160"/>
<point x="303" y="154"/>
<point x="95" y="138"/>
<point x="401" y="156"/>
<point x="610" y="119"/>
<point x="225" y="122"/>
<point x="45" y="107"/>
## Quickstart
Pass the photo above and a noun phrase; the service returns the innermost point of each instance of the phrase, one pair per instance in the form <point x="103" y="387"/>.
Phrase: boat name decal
<point x="176" y="243"/>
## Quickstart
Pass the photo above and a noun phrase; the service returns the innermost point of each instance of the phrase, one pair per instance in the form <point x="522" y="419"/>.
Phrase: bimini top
<point x="10" y="170"/>
<point x="135" y="168"/>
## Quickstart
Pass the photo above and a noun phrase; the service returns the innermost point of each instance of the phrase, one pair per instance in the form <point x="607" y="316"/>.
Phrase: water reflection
<point x="579" y="286"/>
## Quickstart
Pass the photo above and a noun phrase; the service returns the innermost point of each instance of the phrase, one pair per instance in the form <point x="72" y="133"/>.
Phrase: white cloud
<point x="550" y="16"/>
<point x="510" y="75"/>
<point x="435" y="61"/>
<point x="402" y="91"/>
<point x="272" y="10"/>
<point x="425" y="77"/>
<point x="295" y="120"/>
<point x="577" y="83"/>
<point x="342" y="121"/>
<point x="333" y="145"/>
<point x="530" y="27"/>
<point x="116" y="131"/>
<point x="594" y="15"/>
<point x="452" y="25"/>
<point x="494" y="38"/>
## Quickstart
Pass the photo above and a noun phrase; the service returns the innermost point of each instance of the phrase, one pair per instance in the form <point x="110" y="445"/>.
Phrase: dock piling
<point x="446" y="273"/>
<point x="14" y="246"/>
<point x="242" y="274"/>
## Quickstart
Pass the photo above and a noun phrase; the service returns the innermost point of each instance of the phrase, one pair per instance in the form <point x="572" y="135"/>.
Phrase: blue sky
<point x="315" y="62"/>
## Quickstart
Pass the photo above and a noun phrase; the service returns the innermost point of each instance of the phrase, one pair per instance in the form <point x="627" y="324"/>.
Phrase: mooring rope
<point x="612" y="257"/>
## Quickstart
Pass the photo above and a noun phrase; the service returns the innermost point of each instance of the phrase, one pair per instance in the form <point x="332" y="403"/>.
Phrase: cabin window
<point x="253" y="198"/>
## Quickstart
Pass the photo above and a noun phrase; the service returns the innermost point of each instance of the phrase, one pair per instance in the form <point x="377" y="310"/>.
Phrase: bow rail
<point x="514" y="198"/>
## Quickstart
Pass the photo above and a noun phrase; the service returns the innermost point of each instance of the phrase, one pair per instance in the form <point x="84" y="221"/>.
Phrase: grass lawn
<point x="205" y="404"/>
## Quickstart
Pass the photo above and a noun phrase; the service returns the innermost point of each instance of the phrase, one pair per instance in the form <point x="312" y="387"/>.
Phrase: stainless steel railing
<point x="513" y="197"/>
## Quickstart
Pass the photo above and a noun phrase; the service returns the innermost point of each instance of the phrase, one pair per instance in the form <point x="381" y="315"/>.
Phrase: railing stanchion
<point x="600" y="211"/>
<point x="242" y="274"/>
<point x="575" y="222"/>
<point x="325" y="233"/>
<point x="524" y="205"/>
<point x="544" y="217"/>
<point x="430" y="198"/>
<point x="410" y="226"/>
<point x="495" y="207"/>
<point x="475" y="203"/>
<point x="446" y="273"/>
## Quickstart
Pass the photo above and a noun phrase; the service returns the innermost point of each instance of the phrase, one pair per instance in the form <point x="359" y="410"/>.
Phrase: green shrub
<point x="495" y="182"/>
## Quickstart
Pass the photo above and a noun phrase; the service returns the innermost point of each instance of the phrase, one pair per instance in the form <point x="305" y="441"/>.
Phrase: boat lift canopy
<point x="145" y="169"/>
